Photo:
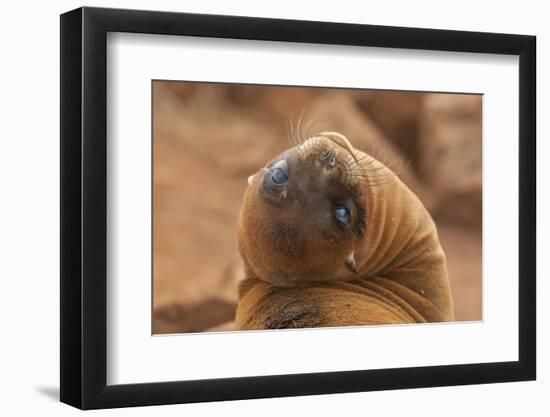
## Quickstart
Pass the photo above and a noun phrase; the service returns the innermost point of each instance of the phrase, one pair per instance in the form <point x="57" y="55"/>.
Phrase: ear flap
<point x="351" y="264"/>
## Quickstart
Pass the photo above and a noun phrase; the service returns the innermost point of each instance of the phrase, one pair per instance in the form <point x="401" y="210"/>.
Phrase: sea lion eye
<point x="342" y="215"/>
<point x="278" y="174"/>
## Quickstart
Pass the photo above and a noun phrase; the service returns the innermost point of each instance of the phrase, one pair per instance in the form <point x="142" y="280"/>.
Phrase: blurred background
<point x="208" y="138"/>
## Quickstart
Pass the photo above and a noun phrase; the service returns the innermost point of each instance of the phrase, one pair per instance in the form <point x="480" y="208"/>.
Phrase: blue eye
<point x="342" y="214"/>
<point x="279" y="177"/>
<point x="279" y="173"/>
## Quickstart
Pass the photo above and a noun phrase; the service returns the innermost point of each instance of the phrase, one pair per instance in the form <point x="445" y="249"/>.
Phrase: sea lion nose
<point x="328" y="159"/>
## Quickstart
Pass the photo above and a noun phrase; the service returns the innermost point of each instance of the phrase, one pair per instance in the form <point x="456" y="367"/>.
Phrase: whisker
<point x="299" y="126"/>
<point x="289" y="133"/>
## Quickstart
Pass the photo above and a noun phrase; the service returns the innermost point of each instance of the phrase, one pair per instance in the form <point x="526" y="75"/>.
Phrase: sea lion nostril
<point x="328" y="158"/>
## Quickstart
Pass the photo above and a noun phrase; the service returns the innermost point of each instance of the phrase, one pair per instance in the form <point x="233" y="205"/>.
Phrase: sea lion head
<point x="304" y="214"/>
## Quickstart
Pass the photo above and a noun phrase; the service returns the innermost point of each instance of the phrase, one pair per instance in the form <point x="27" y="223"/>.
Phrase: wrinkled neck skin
<point x="400" y="231"/>
<point x="401" y="269"/>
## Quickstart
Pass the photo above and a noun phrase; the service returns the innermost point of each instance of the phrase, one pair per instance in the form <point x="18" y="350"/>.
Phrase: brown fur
<point x="296" y="276"/>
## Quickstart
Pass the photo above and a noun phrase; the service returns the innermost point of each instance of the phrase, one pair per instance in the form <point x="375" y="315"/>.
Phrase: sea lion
<point x="330" y="236"/>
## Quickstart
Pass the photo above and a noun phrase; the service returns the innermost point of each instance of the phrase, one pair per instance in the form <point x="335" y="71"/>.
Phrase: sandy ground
<point x="209" y="138"/>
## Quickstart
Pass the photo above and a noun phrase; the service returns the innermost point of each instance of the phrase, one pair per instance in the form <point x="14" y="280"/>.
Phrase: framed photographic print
<point x="258" y="207"/>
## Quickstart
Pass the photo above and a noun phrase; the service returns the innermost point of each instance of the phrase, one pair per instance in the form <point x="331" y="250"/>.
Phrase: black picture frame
<point x="84" y="207"/>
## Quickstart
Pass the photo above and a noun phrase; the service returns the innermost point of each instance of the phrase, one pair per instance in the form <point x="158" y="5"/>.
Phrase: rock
<point x="450" y="155"/>
<point x="396" y="114"/>
<point x="209" y="313"/>
<point x="228" y="326"/>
